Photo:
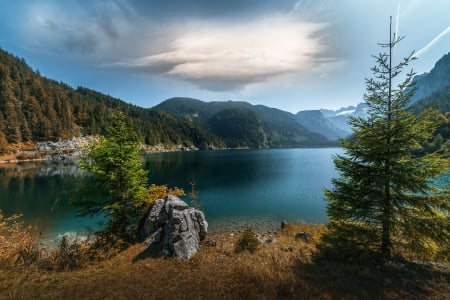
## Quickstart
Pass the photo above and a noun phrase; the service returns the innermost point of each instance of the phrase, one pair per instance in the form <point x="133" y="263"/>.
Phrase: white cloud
<point x="433" y="42"/>
<point x="223" y="56"/>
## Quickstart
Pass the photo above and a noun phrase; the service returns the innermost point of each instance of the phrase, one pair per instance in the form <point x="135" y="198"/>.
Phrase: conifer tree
<point x="383" y="201"/>
<point x="119" y="187"/>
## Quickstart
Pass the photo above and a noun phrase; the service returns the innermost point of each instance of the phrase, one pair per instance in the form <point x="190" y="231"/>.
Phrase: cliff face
<point x="437" y="79"/>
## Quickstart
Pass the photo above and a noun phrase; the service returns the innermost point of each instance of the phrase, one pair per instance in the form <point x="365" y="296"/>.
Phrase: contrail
<point x="397" y="21"/>
<point x="433" y="42"/>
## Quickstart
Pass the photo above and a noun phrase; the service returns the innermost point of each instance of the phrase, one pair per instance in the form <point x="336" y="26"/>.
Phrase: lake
<point x="236" y="187"/>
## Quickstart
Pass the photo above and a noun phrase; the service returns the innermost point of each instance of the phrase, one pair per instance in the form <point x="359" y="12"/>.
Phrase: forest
<point x="34" y="109"/>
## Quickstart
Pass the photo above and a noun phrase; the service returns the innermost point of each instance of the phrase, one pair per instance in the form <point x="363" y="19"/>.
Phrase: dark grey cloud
<point x="106" y="23"/>
<point x="82" y="27"/>
<point x="161" y="10"/>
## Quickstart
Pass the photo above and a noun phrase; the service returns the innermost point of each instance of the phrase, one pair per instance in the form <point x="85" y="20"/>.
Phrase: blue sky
<point x="293" y="55"/>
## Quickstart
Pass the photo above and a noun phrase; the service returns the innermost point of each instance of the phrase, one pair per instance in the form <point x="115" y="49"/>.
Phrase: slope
<point x="242" y="124"/>
<point x="34" y="108"/>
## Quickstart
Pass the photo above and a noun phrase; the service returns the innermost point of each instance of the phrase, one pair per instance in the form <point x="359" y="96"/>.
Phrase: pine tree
<point x="383" y="201"/>
<point x="119" y="186"/>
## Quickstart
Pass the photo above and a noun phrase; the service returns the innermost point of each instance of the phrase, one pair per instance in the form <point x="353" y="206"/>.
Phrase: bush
<point x="18" y="242"/>
<point x="20" y="247"/>
<point x="68" y="255"/>
<point x="156" y="192"/>
<point x="247" y="241"/>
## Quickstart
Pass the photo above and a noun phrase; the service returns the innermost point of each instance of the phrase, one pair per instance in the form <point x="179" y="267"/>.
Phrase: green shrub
<point x="247" y="241"/>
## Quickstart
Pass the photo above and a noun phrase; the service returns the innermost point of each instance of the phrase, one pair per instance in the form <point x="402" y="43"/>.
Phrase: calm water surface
<point x="258" y="187"/>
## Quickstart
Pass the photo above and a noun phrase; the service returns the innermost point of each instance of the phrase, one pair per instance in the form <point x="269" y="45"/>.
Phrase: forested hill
<point x="34" y="108"/>
<point x="434" y="81"/>
<point x="241" y="124"/>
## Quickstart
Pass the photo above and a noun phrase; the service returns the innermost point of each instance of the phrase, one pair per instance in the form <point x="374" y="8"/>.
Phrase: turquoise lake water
<point x="236" y="187"/>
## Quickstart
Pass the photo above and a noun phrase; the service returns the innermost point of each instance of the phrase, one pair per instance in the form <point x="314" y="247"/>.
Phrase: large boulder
<point x="171" y="225"/>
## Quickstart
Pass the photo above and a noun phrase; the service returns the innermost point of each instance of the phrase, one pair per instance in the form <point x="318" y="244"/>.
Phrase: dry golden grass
<point x="282" y="269"/>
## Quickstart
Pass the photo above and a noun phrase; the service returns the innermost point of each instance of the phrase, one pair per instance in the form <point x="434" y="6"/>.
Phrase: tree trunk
<point x="386" y="244"/>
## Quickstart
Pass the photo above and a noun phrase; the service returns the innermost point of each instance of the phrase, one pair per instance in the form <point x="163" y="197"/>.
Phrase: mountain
<point x="340" y="117"/>
<point x="34" y="108"/>
<point x="316" y="121"/>
<point x="435" y="80"/>
<point x="439" y="100"/>
<point x="332" y="124"/>
<point x="241" y="124"/>
<point x="432" y="90"/>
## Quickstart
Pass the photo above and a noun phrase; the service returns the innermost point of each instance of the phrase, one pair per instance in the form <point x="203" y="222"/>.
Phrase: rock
<point x="283" y="224"/>
<point x="306" y="236"/>
<point x="177" y="226"/>
<point x="387" y="282"/>
<point x="269" y="240"/>
<point x="211" y="243"/>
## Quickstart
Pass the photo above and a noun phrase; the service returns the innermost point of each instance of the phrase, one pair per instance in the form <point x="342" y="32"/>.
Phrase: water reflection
<point x="42" y="193"/>
<point x="236" y="187"/>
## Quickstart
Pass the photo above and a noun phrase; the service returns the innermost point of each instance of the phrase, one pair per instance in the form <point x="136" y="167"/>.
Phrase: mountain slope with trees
<point x="263" y="126"/>
<point x="437" y="79"/>
<point x="34" y="109"/>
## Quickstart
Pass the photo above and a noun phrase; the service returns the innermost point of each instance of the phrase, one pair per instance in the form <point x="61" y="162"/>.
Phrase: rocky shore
<point x="69" y="150"/>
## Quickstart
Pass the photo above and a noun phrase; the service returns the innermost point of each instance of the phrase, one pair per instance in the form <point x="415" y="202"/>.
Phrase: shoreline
<point x="65" y="150"/>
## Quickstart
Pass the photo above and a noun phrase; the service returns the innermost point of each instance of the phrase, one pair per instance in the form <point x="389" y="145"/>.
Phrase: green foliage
<point x="383" y="201"/>
<point x="239" y="128"/>
<point x="118" y="189"/>
<point x="247" y="241"/>
<point x="193" y="194"/>
<point x="438" y="100"/>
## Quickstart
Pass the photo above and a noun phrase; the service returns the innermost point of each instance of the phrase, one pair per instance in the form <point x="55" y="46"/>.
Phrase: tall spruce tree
<point x="383" y="201"/>
<point x="118" y="189"/>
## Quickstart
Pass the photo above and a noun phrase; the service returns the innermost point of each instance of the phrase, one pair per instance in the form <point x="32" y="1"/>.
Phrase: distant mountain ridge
<point x="242" y="124"/>
<point x="316" y="121"/>
<point x="333" y="124"/>
<point x="432" y="90"/>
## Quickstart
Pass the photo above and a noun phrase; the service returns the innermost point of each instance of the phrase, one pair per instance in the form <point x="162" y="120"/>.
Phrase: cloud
<point x="73" y="27"/>
<point x="219" y="56"/>
<point x="433" y="42"/>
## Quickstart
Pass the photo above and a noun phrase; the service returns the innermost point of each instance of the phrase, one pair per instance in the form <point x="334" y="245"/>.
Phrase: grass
<point x="281" y="269"/>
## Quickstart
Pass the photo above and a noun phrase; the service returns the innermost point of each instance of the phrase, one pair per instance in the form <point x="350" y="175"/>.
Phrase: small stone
<point x="268" y="240"/>
<point x="283" y="224"/>
<point x="306" y="236"/>
<point x="211" y="243"/>
<point x="387" y="282"/>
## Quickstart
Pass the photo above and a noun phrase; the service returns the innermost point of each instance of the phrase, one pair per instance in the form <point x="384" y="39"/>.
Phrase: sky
<point x="292" y="55"/>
